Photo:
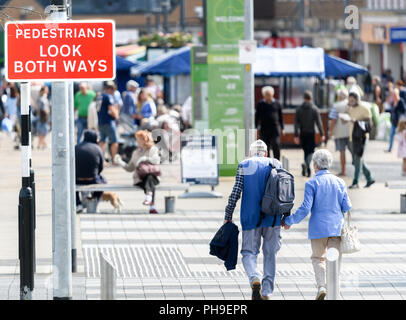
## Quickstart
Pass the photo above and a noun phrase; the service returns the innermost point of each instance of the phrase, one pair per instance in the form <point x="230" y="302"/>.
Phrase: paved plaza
<point x="166" y="256"/>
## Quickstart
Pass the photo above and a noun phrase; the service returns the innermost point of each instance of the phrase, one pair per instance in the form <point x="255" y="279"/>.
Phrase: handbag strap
<point x="348" y="217"/>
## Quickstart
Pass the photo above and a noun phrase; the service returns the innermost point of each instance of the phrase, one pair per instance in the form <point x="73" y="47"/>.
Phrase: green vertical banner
<point x="225" y="27"/>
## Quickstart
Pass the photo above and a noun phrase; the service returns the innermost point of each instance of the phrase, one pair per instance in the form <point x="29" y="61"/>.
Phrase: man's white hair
<point x="323" y="159"/>
<point x="268" y="88"/>
<point x="132" y="84"/>
<point x="258" y="149"/>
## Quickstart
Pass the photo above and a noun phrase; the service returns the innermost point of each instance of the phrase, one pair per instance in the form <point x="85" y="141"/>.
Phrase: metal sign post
<point x="248" y="78"/>
<point x="61" y="211"/>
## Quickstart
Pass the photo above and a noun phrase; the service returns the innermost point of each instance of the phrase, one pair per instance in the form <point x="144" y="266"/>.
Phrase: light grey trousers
<point x="251" y="243"/>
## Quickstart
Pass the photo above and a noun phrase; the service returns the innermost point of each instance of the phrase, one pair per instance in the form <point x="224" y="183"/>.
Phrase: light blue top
<point x="326" y="197"/>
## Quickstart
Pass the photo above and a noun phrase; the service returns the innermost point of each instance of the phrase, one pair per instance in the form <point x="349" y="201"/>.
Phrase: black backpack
<point x="279" y="194"/>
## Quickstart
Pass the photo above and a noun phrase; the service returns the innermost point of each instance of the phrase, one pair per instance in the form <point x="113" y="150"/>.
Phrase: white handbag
<point x="349" y="237"/>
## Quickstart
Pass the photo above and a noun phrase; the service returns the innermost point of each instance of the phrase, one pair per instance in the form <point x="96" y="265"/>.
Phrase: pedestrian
<point x="269" y="121"/>
<point x="107" y="116"/>
<point x="402" y="90"/>
<point x="307" y="116"/>
<point x="326" y="197"/>
<point x="250" y="180"/>
<point x="130" y="99"/>
<point x="388" y="102"/>
<point x="12" y="106"/>
<point x="402" y="143"/>
<point x="89" y="162"/>
<point x="146" y="107"/>
<point x="44" y="112"/>
<point x="82" y="100"/>
<point x="144" y="163"/>
<point x="338" y="128"/>
<point x="397" y="110"/>
<point x="377" y="92"/>
<point x="360" y="116"/>
<point x="367" y="82"/>
<point x="353" y="86"/>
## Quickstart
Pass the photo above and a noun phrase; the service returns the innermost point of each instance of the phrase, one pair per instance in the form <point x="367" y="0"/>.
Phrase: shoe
<point x="153" y="211"/>
<point x="256" y="289"/>
<point x="354" y="186"/>
<point x="266" y="297"/>
<point x="309" y="172"/>
<point x="321" y="294"/>
<point x="387" y="151"/>
<point x="369" y="183"/>
<point x="79" y="208"/>
<point x="148" y="200"/>
<point x="341" y="174"/>
<point x="303" y="170"/>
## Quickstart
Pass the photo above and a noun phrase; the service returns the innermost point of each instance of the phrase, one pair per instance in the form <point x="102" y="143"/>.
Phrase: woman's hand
<point x="117" y="159"/>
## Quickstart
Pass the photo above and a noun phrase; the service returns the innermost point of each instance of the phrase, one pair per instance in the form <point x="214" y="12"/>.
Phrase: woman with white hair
<point x="327" y="199"/>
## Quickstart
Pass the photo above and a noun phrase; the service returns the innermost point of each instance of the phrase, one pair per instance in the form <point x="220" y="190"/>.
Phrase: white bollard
<point x="333" y="280"/>
<point x="108" y="279"/>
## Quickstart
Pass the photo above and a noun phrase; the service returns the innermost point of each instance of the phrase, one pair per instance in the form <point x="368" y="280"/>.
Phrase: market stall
<point x="292" y="71"/>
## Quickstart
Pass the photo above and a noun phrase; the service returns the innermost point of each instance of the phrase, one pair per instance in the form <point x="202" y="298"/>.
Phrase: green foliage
<point x="171" y="40"/>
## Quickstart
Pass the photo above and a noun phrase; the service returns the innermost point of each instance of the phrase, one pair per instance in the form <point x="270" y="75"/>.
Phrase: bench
<point x="398" y="184"/>
<point x="127" y="187"/>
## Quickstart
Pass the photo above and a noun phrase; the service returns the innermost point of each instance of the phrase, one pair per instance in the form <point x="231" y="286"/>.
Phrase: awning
<point x="337" y="67"/>
<point x="295" y="62"/>
<point x="302" y="62"/>
<point x="169" y="64"/>
<point x="123" y="64"/>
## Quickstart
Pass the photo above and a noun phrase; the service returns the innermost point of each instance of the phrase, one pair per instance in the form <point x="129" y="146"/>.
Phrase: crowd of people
<point x="10" y="112"/>
<point x="100" y="115"/>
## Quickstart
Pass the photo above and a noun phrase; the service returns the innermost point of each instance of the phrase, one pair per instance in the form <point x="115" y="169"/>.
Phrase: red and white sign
<point x="283" y="42"/>
<point x="60" y="50"/>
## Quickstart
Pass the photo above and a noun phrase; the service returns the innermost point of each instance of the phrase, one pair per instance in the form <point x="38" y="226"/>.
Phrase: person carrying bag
<point x="145" y="165"/>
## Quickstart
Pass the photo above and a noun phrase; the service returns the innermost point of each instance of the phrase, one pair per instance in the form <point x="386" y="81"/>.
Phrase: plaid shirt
<point x="235" y="194"/>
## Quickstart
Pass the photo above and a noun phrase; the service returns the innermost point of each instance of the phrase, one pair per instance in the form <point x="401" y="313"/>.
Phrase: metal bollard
<point x="26" y="243"/>
<point x="34" y="215"/>
<point x="333" y="280"/>
<point x="403" y="203"/>
<point x="108" y="279"/>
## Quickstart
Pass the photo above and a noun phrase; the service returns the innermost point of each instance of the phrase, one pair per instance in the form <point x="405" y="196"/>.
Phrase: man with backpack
<point x="261" y="214"/>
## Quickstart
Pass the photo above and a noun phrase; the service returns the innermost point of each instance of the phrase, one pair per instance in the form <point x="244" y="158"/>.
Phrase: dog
<point x="114" y="200"/>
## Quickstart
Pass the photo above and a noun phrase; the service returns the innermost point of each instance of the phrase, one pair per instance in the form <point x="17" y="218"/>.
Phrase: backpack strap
<point x="262" y="214"/>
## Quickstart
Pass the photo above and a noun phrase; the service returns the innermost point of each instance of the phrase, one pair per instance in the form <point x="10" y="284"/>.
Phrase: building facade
<point x="383" y="33"/>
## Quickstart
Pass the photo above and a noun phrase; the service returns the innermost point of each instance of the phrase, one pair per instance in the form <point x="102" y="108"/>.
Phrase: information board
<point x="199" y="160"/>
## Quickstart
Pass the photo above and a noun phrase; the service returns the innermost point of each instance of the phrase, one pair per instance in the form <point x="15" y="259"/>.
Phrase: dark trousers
<point x="148" y="184"/>
<point x="308" y="143"/>
<point x="272" y="142"/>
<point x="97" y="194"/>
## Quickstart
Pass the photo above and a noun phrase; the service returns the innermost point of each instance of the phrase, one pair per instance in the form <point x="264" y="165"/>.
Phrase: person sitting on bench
<point x="89" y="162"/>
<point x="144" y="162"/>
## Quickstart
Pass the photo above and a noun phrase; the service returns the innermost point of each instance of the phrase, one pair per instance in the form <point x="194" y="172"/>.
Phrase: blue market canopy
<point x="168" y="64"/>
<point x="302" y="62"/>
<point x="123" y="64"/>
<point x="337" y="67"/>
